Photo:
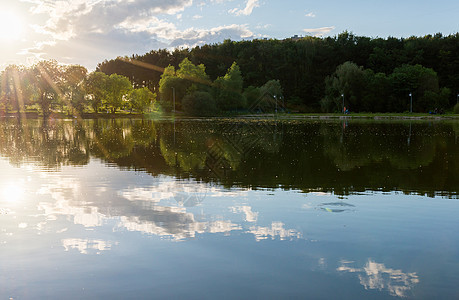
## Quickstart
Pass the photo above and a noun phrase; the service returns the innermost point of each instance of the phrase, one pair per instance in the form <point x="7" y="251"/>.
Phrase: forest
<point x="315" y="74"/>
<point x="308" y="74"/>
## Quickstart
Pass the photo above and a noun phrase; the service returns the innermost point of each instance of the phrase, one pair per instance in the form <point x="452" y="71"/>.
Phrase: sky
<point x="88" y="32"/>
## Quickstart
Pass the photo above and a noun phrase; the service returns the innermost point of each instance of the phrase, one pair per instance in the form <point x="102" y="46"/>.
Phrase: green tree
<point x="16" y="89"/>
<point x="272" y="87"/>
<point x="456" y="109"/>
<point x="73" y="87"/>
<point x="348" y="80"/>
<point x="118" y="87"/>
<point x="47" y="76"/>
<point x="186" y="80"/>
<point x="195" y="74"/>
<point x="416" y="80"/>
<point x="228" y="90"/>
<point x="194" y="77"/>
<point x="301" y="65"/>
<point x="141" y="99"/>
<point x="199" y="103"/>
<point x="170" y="86"/>
<point x="252" y="95"/>
<point x="376" y="93"/>
<point x="271" y="96"/>
<point x="95" y="87"/>
<point x="8" y="91"/>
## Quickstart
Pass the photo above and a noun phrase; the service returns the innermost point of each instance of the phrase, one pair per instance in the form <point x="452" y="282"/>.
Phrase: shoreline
<point x="354" y="117"/>
<point x="283" y="116"/>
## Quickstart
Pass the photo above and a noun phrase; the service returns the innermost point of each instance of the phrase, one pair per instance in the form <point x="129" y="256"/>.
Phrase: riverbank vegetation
<point x="50" y="88"/>
<point x="310" y="74"/>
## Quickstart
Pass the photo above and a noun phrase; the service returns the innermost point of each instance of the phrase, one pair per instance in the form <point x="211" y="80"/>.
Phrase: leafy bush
<point x="456" y="109"/>
<point x="199" y="104"/>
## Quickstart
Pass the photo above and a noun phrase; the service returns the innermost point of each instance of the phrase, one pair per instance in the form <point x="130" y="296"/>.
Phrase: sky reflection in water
<point x="100" y="230"/>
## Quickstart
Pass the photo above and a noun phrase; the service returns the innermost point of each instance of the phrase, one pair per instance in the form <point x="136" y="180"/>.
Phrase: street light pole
<point x="411" y="103"/>
<point x="173" y="96"/>
<point x="342" y="95"/>
<point x="275" y="99"/>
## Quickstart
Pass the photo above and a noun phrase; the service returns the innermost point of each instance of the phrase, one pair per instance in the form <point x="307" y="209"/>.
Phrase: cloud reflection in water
<point x="377" y="276"/>
<point x="153" y="208"/>
<point x="84" y="246"/>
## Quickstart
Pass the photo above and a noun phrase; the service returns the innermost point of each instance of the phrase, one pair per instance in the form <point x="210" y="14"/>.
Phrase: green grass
<point x="373" y="115"/>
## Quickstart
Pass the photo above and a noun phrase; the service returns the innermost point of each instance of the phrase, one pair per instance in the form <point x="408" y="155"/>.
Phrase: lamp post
<point x="275" y="100"/>
<point x="457" y="98"/>
<point x="173" y="96"/>
<point x="411" y="102"/>
<point x="342" y="95"/>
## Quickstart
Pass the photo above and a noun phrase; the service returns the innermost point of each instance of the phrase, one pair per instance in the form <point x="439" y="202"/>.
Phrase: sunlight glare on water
<point x="12" y="191"/>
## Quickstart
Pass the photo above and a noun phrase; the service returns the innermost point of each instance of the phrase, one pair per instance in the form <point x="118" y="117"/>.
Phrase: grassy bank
<point x="414" y="116"/>
<point x="154" y="115"/>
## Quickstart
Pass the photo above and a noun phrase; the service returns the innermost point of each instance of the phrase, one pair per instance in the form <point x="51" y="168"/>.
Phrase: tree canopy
<point x="69" y="89"/>
<point x="308" y="74"/>
<point x="302" y="66"/>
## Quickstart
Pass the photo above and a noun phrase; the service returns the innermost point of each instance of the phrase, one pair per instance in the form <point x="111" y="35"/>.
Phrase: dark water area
<point x="224" y="208"/>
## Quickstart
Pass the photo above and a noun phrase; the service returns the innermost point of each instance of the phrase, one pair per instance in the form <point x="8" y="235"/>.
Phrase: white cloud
<point x="168" y="32"/>
<point x="87" y="32"/>
<point x="247" y="11"/>
<point x="92" y="48"/>
<point x="310" y="15"/>
<point x="318" y="31"/>
<point x="151" y="25"/>
<point x="67" y="18"/>
<point x="214" y="1"/>
<point x="193" y="37"/>
<point x="265" y="26"/>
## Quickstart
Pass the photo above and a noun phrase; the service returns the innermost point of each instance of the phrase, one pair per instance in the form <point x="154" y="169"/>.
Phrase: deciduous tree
<point x="96" y="89"/>
<point x="141" y="99"/>
<point x="118" y="87"/>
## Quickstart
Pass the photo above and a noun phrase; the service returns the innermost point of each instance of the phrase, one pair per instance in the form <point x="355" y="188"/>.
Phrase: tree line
<point x="50" y="87"/>
<point x="374" y="74"/>
<point x="309" y="74"/>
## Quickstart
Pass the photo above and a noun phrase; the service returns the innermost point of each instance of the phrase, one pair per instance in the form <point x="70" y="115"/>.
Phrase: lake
<point x="227" y="209"/>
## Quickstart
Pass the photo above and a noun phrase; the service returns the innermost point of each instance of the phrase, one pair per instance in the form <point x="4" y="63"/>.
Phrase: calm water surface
<point x="228" y="209"/>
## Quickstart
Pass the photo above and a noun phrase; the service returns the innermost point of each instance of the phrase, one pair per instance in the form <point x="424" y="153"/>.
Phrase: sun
<point x="11" y="191"/>
<point x="11" y="26"/>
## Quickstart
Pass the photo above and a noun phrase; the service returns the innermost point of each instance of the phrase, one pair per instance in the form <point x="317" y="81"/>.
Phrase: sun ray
<point x="11" y="26"/>
<point x="19" y="95"/>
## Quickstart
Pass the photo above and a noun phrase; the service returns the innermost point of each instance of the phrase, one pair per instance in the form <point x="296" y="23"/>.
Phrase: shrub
<point x="199" y="104"/>
<point x="456" y="109"/>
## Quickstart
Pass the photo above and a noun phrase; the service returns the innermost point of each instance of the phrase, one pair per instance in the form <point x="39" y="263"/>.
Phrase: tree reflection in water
<point x="309" y="156"/>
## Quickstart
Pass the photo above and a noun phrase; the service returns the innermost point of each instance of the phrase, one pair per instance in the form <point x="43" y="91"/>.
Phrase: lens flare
<point x="11" y="26"/>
